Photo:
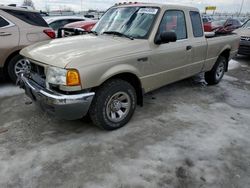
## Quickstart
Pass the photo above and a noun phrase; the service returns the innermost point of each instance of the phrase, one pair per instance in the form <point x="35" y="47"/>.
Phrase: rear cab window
<point x="174" y="21"/>
<point x="196" y="24"/>
<point x="32" y="18"/>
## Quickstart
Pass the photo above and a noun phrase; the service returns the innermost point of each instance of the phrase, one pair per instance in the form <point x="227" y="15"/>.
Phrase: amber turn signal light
<point x="73" y="78"/>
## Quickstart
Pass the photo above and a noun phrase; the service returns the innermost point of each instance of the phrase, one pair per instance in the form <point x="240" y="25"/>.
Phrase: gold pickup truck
<point x="133" y="49"/>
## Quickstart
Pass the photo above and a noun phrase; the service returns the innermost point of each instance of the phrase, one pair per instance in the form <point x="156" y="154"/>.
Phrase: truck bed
<point x="217" y="44"/>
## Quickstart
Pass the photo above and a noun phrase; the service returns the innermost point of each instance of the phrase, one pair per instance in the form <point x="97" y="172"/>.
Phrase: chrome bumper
<point x="67" y="107"/>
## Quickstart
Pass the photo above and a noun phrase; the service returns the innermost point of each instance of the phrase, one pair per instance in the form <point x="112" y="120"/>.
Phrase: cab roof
<point x="163" y="6"/>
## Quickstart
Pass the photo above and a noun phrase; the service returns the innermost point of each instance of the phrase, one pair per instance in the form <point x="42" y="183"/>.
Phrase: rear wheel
<point x="17" y="65"/>
<point x="113" y="105"/>
<point x="216" y="74"/>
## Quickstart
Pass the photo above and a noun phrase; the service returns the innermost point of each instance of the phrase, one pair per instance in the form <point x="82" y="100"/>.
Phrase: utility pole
<point x="242" y="2"/>
<point x="81" y="7"/>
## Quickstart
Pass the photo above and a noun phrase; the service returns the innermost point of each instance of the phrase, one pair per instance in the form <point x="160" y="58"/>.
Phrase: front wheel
<point x="216" y="74"/>
<point x="113" y="105"/>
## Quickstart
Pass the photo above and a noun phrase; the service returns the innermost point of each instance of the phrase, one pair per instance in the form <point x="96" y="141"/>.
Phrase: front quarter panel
<point x="93" y="76"/>
<point x="120" y="60"/>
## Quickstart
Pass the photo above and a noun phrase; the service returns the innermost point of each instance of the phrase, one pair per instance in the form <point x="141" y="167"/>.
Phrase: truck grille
<point x="37" y="73"/>
<point x="245" y="38"/>
<point x="34" y="68"/>
<point x="244" y="50"/>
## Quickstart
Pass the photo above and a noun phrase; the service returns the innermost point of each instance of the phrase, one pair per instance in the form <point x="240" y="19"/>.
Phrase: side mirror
<point x="166" y="37"/>
<point x="209" y="34"/>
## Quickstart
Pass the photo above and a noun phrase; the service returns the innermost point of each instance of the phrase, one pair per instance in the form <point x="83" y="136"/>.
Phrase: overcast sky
<point x="222" y="5"/>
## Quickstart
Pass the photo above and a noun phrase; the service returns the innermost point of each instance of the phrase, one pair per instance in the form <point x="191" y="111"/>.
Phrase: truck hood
<point x="85" y="49"/>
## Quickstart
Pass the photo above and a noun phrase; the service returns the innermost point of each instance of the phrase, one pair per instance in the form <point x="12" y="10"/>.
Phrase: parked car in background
<point x="227" y="26"/>
<point x="76" y="28"/>
<point x="133" y="49"/>
<point x="60" y="21"/>
<point x="242" y="19"/>
<point x="85" y="25"/>
<point x="207" y="24"/>
<point x="89" y="16"/>
<point x="244" y="32"/>
<point x="218" y="23"/>
<point x="19" y="28"/>
<point x="207" y="18"/>
<point x="43" y="14"/>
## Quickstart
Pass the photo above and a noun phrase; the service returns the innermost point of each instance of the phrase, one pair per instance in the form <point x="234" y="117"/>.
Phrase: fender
<point x="227" y="47"/>
<point x="116" y="70"/>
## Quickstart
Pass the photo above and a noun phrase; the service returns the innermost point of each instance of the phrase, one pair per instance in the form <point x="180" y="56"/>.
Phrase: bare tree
<point x="29" y="3"/>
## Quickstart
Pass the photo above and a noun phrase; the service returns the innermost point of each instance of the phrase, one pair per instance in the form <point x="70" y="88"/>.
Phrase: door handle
<point x="4" y="34"/>
<point x="188" y="47"/>
<point x="142" y="59"/>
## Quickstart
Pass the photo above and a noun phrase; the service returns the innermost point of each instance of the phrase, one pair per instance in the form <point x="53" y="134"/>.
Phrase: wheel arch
<point x="226" y="53"/>
<point x="131" y="78"/>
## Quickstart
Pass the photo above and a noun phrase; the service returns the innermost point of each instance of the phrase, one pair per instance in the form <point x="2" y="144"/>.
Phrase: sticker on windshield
<point x="148" y="11"/>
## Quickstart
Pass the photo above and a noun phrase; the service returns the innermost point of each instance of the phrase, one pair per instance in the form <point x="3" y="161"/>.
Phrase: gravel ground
<point x="187" y="135"/>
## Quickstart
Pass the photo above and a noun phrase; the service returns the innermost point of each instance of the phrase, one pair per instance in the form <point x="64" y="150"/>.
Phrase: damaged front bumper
<point x="69" y="107"/>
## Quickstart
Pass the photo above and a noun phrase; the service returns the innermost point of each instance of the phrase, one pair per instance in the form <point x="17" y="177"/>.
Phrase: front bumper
<point x="244" y="48"/>
<point x="69" y="107"/>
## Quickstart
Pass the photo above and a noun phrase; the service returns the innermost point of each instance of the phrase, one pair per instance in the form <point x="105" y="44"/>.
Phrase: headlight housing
<point x="56" y="76"/>
<point x="65" y="77"/>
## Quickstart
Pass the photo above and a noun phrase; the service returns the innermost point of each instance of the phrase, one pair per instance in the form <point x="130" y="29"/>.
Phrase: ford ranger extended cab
<point x="133" y="49"/>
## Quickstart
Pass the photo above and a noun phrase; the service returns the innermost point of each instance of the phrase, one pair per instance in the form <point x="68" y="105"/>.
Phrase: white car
<point x="59" y="21"/>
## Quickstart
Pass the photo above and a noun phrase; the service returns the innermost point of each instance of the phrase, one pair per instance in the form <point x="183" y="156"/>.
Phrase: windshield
<point x="247" y="24"/>
<point x="130" y="21"/>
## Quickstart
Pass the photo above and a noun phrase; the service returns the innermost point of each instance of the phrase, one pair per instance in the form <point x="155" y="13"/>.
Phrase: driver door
<point x="169" y="61"/>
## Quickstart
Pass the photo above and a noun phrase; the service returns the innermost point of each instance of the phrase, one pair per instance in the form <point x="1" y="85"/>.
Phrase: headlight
<point x="59" y="76"/>
<point x="56" y="76"/>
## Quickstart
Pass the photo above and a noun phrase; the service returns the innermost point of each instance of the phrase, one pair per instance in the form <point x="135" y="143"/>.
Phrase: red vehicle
<point x="222" y="26"/>
<point x="227" y="26"/>
<point x="207" y="24"/>
<point x="85" y="25"/>
<point x="207" y="27"/>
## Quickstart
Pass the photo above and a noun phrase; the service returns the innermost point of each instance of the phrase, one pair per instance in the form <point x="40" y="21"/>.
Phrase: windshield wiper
<point x="118" y="34"/>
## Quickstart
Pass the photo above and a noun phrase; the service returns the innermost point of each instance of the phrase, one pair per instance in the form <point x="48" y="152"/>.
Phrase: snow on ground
<point x="233" y="64"/>
<point x="8" y="90"/>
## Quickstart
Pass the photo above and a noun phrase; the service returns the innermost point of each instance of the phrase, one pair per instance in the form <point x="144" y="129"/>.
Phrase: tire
<point x="17" y="64"/>
<point x="113" y="105"/>
<point x="214" y="76"/>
